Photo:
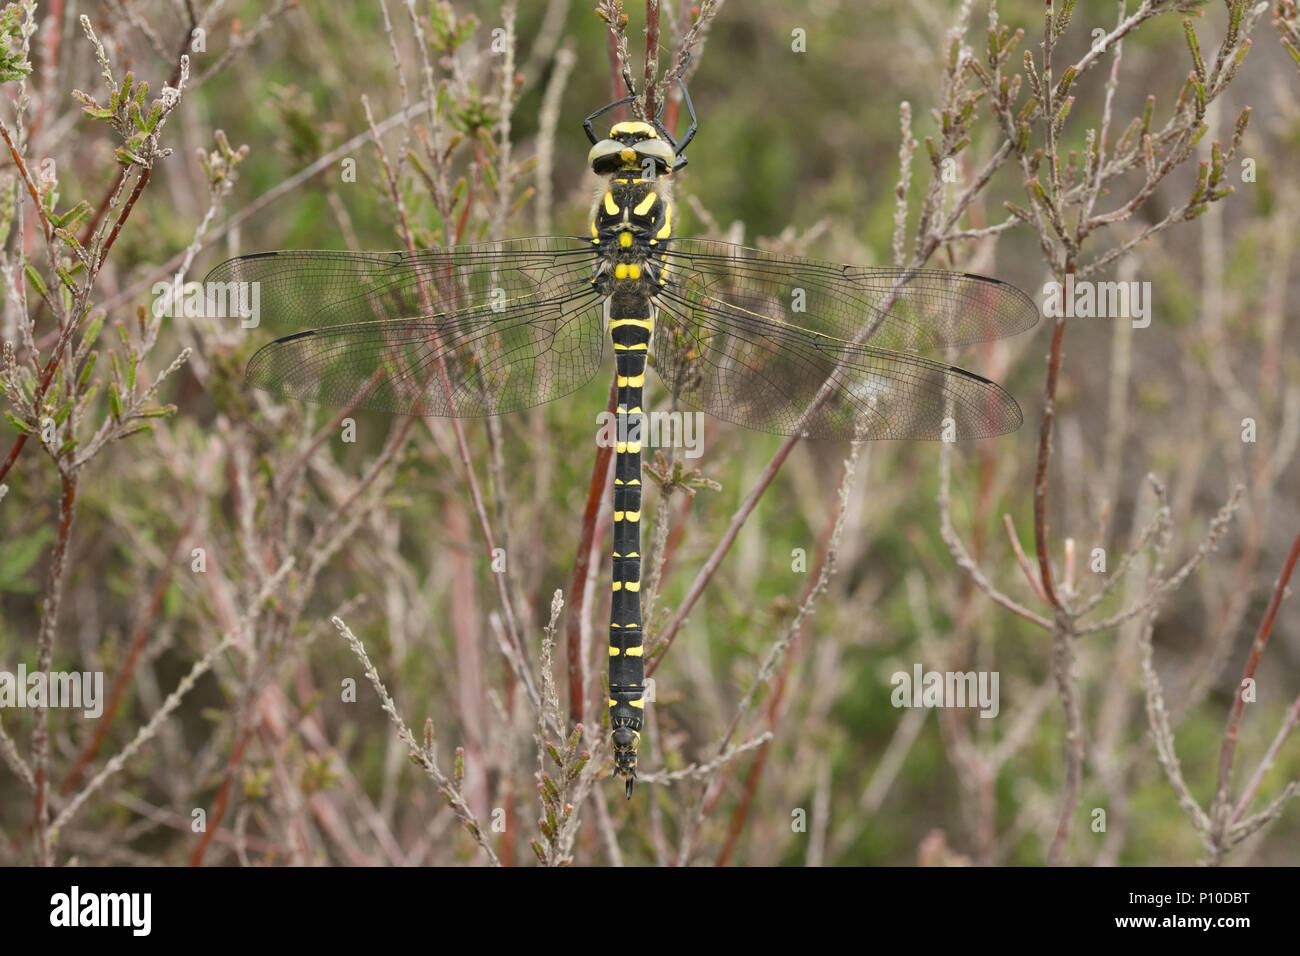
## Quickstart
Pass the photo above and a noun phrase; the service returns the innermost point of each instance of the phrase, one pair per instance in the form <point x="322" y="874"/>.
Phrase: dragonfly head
<point x="632" y="147"/>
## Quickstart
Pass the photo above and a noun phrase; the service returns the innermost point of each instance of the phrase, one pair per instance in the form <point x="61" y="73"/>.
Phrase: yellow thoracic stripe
<point x="667" y="229"/>
<point x="639" y="703"/>
<point x="611" y="207"/>
<point x="625" y="239"/>
<point x="647" y="324"/>
<point x="632" y="381"/>
<point x="645" y="204"/>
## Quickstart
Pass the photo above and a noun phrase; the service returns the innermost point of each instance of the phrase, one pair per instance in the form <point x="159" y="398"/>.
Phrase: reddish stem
<point x="651" y="58"/>
<point x="1044" y="457"/>
<point x="44" y="654"/>
<point x="720" y="551"/>
<point x="222" y="801"/>
<point x="772" y="711"/>
<point x="138" y="641"/>
<point x="1252" y="663"/>
<point x="582" y="564"/>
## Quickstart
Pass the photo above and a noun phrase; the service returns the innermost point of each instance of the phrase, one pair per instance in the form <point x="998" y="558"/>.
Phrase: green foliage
<point x="17" y="22"/>
<point x="19" y="557"/>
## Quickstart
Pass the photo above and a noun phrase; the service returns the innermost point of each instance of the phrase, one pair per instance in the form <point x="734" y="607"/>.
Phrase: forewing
<point x="473" y="330"/>
<point x="896" y="309"/>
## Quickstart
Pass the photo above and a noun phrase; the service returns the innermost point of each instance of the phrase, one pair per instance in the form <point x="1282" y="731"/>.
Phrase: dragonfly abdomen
<point x="631" y="321"/>
<point x="631" y="226"/>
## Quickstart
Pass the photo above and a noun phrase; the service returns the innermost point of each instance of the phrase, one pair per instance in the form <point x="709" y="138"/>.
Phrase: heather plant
<point x="330" y="636"/>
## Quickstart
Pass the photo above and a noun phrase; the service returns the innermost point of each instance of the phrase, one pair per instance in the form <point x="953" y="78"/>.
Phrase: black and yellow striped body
<point x="630" y="228"/>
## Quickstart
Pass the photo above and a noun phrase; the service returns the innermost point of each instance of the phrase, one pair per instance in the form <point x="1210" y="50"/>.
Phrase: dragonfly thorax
<point x="634" y="204"/>
<point x="630" y="226"/>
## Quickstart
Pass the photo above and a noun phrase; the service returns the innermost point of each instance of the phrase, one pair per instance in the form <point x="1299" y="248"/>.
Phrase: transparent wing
<point x="897" y="309"/>
<point x="513" y="324"/>
<point x="755" y="338"/>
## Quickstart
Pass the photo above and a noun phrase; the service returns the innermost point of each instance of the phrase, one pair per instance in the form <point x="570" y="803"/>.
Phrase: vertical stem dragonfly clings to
<point x="772" y="342"/>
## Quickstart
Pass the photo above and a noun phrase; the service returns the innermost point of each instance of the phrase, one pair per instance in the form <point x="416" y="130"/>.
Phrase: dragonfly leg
<point x="690" y="130"/>
<point x="679" y="146"/>
<point x="586" y="124"/>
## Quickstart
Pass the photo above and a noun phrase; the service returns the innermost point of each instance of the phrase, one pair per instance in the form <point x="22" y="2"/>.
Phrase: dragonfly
<point x="772" y="342"/>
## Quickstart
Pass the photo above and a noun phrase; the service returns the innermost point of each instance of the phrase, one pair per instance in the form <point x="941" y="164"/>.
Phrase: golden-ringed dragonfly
<point x="772" y="342"/>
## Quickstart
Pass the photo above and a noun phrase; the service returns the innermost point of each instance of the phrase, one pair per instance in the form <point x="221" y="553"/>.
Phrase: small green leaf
<point x="21" y="426"/>
<point x="92" y="332"/>
<point x="523" y="199"/>
<point x="1197" y="62"/>
<point x="87" y="370"/>
<point x="1067" y="78"/>
<point x="37" y="282"/>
